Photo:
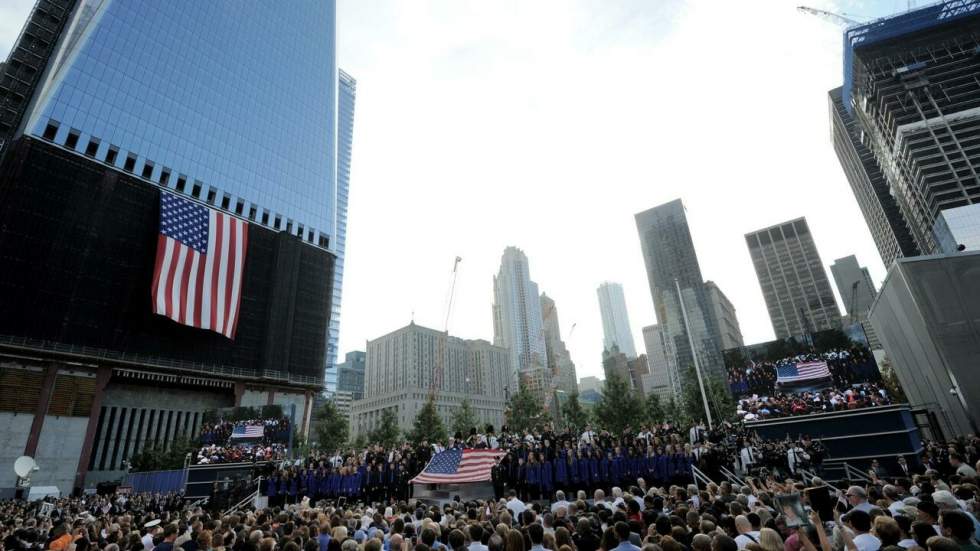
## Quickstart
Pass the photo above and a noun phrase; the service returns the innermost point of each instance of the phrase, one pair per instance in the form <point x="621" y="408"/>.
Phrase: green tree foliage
<point x="428" y="425"/>
<point x="387" y="432"/>
<point x="719" y="397"/>
<point x="158" y="457"/>
<point x="330" y="428"/>
<point x="655" y="412"/>
<point x="575" y="416"/>
<point x="524" y="411"/>
<point x="619" y="406"/>
<point x="464" y="419"/>
<point x="359" y="442"/>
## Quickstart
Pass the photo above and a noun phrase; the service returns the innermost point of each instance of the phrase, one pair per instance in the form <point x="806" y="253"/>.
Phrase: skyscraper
<point x="888" y="227"/>
<point x="728" y="327"/>
<point x="855" y="287"/>
<point x="615" y="321"/>
<point x="668" y="251"/>
<point x="517" y="321"/>
<point x="350" y="374"/>
<point x="793" y="280"/>
<point x="347" y="93"/>
<point x="559" y="360"/>
<point x="662" y="378"/>
<point x="910" y="84"/>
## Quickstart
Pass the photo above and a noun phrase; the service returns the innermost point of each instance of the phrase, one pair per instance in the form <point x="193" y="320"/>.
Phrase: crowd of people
<point x="825" y="400"/>
<point x="846" y="367"/>
<point x="226" y="442"/>
<point x="933" y="508"/>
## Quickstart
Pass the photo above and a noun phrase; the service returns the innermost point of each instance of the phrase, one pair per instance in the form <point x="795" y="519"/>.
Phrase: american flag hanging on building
<point x="247" y="431"/>
<point x="803" y="371"/>
<point x="200" y="262"/>
<point x="455" y="465"/>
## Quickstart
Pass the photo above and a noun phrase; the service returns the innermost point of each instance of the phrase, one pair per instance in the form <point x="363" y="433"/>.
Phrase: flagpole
<point x="694" y="354"/>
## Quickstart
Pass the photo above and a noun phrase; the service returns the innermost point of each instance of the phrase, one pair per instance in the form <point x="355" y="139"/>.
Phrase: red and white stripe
<point x="475" y="466"/>
<point x="808" y="370"/>
<point x="203" y="290"/>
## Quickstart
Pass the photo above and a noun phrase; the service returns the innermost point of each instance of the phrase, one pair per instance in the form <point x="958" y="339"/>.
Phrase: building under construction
<point x="911" y="87"/>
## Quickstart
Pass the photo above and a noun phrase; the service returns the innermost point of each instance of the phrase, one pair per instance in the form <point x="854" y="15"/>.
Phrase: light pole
<point x="694" y="354"/>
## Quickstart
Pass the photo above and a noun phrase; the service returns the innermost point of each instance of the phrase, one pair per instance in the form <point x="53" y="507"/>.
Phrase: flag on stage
<point x="248" y="431"/>
<point x="198" y="276"/>
<point x="455" y="465"/>
<point x="791" y="372"/>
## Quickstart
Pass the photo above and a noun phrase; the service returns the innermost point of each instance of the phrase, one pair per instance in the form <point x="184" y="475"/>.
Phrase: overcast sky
<point x="548" y="124"/>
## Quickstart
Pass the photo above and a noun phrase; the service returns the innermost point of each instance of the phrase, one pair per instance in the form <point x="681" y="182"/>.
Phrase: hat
<point x="152" y="523"/>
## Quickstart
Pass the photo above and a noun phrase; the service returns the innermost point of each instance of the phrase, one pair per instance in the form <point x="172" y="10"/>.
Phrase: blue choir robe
<point x="534" y="475"/>
<point x="560" y="470"/>
<point x="583" y="472"/>
<point x="547" y="483"/>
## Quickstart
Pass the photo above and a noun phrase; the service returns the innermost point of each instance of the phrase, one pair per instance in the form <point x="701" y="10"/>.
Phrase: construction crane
<point x="836" y="18"/>
<point x="436" y="380"/>
<point x="852" y="305"/>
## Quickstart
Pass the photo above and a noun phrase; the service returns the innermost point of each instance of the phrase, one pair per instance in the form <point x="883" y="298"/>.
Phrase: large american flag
<point x="197" y="279"/>
<point x="456" y="465"/>
<point x="803" y="371"/>
<point x="248" y="431"/>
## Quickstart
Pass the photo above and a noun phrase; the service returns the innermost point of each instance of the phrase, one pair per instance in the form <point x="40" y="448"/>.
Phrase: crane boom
<point x="836" y="18"/>
<point x="440" y="359"/>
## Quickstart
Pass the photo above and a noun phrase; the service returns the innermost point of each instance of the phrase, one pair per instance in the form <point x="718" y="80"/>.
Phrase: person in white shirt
<point x="476" y="537"/>
<point x="860" y="523"/>
<point x="746" y="534"/>
<point x="588" y="436"/>
<point x="858" y="499"/>
<point x="796" y="457"/>
<point x="560" y="502"/>
<point x="599" y="499"/>
<point x="515" y="506"/>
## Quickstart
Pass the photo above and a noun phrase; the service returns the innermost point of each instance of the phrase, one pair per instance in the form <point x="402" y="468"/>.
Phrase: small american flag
<point x="197" y="279"/>
<point x="456" y="465"/>
<point x="802" y="371"/>
<point x="248" y="431"/>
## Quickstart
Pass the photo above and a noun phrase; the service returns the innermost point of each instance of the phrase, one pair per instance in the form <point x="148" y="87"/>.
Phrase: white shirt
<point x="867" y="542"/>
<point x="744" y="539"/>
<point x="558" y="505"/>
<point x="907" y="543"/>
<point x="477" y="546"/>
<point x="147" y="540"/>
<point x="516" y="507"/>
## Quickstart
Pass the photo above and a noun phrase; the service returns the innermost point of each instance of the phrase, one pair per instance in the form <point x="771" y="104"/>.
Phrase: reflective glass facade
<point x="958" y="227"/>
<point x="233" y="103"/>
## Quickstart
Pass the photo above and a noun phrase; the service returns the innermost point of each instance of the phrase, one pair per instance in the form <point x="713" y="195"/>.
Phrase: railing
<point x="700" y="478"/>
<point x="732" y="477"/>
<point x="247" y="499"/>
<point x="96" y="353"/>
<point x="854" y="473"/>
<point x="807" y="475"/>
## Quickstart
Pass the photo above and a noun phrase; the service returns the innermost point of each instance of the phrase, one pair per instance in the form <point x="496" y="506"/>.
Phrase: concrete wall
<point x="255" y="398"/>
<point x="58" y="449"/>
<point x="16" y="427"/>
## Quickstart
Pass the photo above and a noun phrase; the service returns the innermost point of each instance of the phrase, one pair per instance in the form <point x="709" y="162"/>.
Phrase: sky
<point x="547" y="125"/>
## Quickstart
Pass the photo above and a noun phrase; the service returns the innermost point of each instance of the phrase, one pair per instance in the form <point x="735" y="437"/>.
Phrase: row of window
<point x="195" y="189"/>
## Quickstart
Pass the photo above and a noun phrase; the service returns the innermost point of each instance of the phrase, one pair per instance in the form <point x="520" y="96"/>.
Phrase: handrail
<point x="700" y="477"/>
<point x="853" y="473"/>
<point x="732" y="477"/>
<point x="250" y="497"/>
<point x="807" y="475"/>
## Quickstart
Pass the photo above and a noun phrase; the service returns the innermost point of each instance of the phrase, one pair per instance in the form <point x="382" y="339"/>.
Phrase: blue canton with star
<point x="446" y="462"/>
<point x="184" y="221"/>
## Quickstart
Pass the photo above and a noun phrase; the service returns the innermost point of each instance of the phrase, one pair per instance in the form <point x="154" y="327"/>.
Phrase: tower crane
<point x="439" y="366"/>
<point x="836" y="18"/>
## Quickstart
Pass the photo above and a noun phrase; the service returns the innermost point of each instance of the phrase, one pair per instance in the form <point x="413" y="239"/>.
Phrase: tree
<point x="675" y="415"/>
<point x="387" y="431"/>
<point x="575" y="416"/>
<point x="330" y="428"/>
<point x="428" y="425"/>
<point x="158" y="457"/>
<point x="719" y="397"/>
<point x="619" y="406"/>
<point x="359" y="442"/>
<point x="524" y="412"/>
<point x="654" y="410"/>
<point x="464" y="419"/>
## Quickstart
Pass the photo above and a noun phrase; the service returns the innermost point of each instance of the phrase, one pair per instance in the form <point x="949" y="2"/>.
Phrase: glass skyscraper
<point x="233" y="104"/>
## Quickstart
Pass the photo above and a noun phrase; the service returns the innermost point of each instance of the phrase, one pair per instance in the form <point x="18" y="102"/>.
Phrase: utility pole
<point x="694" y="354"/>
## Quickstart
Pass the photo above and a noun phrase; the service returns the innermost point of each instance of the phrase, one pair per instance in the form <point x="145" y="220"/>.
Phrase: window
<point x="164" y="176"/>
<point x="289" y="226"/>
<point x="225" y="201"/>
<point x="251" y="212"/>
<point x="212" y="193"/>
<point x="130" y="163"/>
<point x="92" y="148"/>
<point x="299" y="231"/>
<point x="196" y="190"/>
<point x="72" y="140"/>
<point x="181" y="183"/>
<point x="265" y="217"/>
<point x="110" y="156"/>
<point x="239" y="207"/>
<point x="324" y="241"/>
<point x="148" y="169"/>
<point x="278" y="222"/>
<point x="309" y="236"/>
<point x="51" y="130"/>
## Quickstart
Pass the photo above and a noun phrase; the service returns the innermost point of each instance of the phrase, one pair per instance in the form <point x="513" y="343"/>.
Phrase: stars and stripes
<point x="791" y="372"/>
<point x="248" y="431"/>
<point x="455" y="465"/>
<point x="198" y="276"/>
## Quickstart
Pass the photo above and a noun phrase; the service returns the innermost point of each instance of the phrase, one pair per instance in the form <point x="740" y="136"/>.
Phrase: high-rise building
<point x="350" y="374"/>
<point x="855" y="286"/>
<point x="517" y="321"/>
<point x="793" y="280"/>
<point x="889" y="230"/>
<point x="404" y="367"/>
<point x="662" y="378"/>
<point x="957" y="229"/>
<point x="346" y="96"/>
<point x="559" y="359"/>
<point x="910" y="84"/>
<point x="728" y="327"/>
<point x="615" y="321"/>
<point x="107" y="106"/>
<point x="589" y="383"/>
<point x="671" y="261"/>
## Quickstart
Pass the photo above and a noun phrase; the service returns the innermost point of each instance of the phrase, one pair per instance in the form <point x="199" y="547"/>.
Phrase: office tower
<point x="662" y="379"/>
<point x="350" y="374"/>
<point x="590" y="383"/>
<point x="347" y="93"/>
<point x="888" y="227"/>
<point x="400" y="371"/>
<point x="958" y="229"/>
<point x="855" y="286"/>
<point x="218" y="107"/>
<point x="910" y="84"/>
<point x="615" y="321"/>
<point x="668" y="252"/>
<point x="731" y="333"/>
<point x="630" y="370"/>
<point x="559" y="360"/>
<point x="517" y="321"/>
<point x="793" y="280"/>
<point x="926" y="316"/>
